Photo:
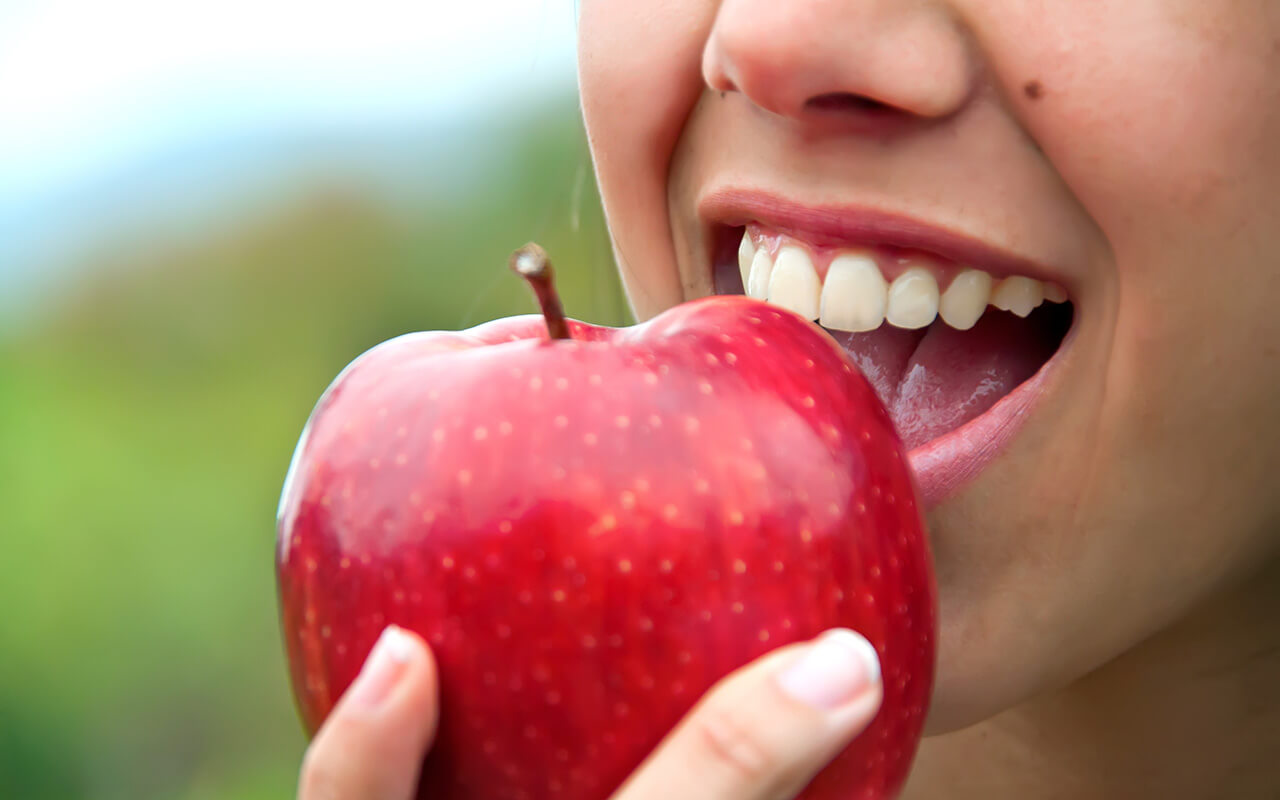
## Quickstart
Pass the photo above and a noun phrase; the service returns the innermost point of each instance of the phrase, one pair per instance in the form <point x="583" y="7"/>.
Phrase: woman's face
<point x="1127" y="151"/>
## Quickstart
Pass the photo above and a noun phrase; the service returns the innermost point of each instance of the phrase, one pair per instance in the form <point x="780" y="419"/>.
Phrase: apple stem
<point x="531" y="263"/>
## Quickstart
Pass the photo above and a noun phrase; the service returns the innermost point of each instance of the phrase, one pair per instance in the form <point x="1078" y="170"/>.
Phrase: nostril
<point x="848" y="102"/>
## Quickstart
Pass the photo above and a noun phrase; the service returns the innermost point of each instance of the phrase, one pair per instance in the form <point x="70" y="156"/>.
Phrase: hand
<point x="761" y="733"/>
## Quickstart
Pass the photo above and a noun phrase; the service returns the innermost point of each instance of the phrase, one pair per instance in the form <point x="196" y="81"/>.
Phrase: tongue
<point x="937" y="379"/>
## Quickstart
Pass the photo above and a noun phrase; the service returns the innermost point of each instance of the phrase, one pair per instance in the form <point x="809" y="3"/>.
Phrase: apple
<point x="591" y="526"/>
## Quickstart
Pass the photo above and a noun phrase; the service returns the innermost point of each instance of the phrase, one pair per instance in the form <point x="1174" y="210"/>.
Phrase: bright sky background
<point x="88" y="87"/>
<point x="87" y="81"/>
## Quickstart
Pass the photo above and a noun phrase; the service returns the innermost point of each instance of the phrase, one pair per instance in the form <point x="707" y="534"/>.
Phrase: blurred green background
<point x="160" y="351"/>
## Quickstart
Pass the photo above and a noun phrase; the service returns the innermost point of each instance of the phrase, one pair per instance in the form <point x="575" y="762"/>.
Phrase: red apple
<point x="590" y="531"/>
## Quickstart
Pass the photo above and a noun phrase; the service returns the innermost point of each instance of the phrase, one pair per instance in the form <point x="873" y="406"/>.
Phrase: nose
<point x="856" y="59"/>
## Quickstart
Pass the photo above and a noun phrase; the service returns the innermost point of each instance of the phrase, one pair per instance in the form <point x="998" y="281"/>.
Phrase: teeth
<point x="746" y="253"/>
<point x="794" y="283"/>
<point x="758" y="278"/>
<point x="1018" y="294"/>
<point x="965" y="299"/>
<point x="913" y="299"/>
<point x="854" y="295"/>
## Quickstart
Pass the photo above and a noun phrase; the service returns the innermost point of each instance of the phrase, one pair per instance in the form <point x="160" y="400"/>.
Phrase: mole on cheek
<point x="1033" y="89"/>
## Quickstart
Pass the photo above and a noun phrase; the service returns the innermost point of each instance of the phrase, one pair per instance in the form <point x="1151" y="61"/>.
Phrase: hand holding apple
<point x="761" y="733"/>
<point x="591" y="531"/>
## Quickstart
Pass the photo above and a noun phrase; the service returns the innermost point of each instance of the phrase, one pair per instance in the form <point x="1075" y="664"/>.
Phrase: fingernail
<point x="836" y="669"/>
<point x="383" y="668"/>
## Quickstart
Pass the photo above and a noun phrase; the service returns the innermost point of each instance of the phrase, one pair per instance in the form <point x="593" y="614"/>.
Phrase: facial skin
<point x="1130" y="531"/>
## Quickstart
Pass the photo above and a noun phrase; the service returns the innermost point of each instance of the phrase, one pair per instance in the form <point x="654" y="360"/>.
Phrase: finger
<point x="372" y="744"/>
<point x="766" y="730"/>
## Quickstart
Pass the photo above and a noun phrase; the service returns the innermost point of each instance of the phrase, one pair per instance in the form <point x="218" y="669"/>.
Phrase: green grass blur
<point x="147" y="416"/>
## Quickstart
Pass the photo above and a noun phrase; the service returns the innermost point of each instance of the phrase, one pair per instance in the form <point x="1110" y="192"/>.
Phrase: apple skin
<point x="591" y="532"/>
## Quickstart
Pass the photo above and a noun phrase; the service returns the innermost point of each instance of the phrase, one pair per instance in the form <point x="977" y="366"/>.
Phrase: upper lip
<point x="860" y="225"/>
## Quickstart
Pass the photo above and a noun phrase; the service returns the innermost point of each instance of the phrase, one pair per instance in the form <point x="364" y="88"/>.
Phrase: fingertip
<point x="412" y="651"/>
<point x="861" y="649"/>
<point x="414" y="694"/>
<point x="418" y="694"/>
<point x="373" y="742"/>
<point x="421" y="683"/>
<point x="838" y="668"/>
<point x="392" y="660"/>
<point x="405" y="643"/>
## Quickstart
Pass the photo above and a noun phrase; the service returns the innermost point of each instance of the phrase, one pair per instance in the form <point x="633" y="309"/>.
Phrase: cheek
<point x="639" y="74"/>
<point x="1172" y="142"/>
<point x="1162" y="116"/>
<point x="1164" y="124"/>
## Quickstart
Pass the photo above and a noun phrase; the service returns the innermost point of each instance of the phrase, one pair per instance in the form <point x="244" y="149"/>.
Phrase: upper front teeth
<point x="758" y="277"/>
<point x="794" y="283"/>
<point x="855" y="296"/>
<point x="913" y="299"/>
<point x="746" y="253"/>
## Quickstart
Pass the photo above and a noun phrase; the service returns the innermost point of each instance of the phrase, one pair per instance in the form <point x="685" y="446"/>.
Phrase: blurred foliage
<point x="146" y="421"/>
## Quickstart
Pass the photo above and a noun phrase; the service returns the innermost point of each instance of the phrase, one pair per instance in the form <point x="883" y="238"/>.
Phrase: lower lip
<point x="946" y="464"/>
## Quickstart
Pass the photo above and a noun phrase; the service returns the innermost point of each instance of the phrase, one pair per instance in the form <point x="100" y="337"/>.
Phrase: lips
<point x="958" y="384"/>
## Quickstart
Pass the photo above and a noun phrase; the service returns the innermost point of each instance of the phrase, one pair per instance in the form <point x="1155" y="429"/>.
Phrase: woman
<point x="1046" y="231"/>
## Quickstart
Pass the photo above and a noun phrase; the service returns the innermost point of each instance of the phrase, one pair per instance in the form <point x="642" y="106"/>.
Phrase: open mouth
<point x="955" y="352"/>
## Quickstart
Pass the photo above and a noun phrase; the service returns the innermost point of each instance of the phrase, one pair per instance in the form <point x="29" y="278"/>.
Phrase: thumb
<point x="372" y="744"/>
<point x="766" y="730"/>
